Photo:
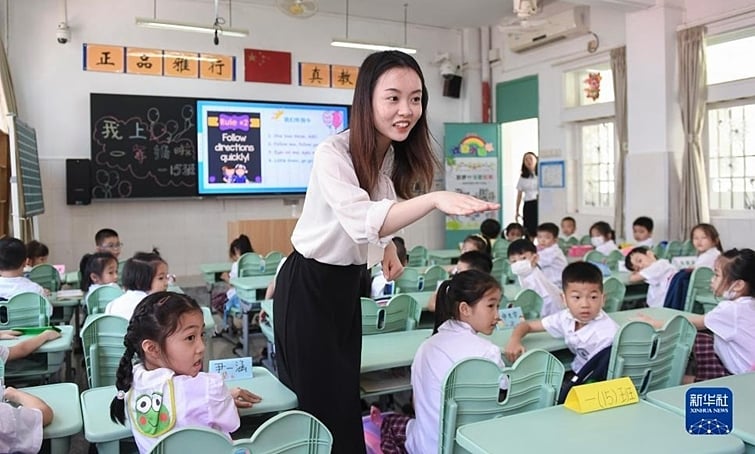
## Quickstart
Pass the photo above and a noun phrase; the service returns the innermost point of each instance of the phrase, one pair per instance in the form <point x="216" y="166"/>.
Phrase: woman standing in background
<point x="527" y="189"/>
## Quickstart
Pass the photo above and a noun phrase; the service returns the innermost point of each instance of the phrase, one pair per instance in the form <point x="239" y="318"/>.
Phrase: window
<point x="731" y="156"/>
<point x="724" y="56"/>
<point x="588" y="86"/>
<point x="597" y="145"/>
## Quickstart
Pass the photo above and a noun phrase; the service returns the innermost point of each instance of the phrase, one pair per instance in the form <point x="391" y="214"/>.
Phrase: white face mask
<point x="521" y="268"/>
<point x="597" y="241"/>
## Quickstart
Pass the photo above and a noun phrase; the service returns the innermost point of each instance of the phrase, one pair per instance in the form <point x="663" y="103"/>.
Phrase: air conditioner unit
<point x="567" y="24"/>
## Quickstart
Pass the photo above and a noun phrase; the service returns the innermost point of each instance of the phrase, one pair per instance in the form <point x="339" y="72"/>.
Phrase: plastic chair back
<point x="98" y="299"/>
<point x="433" y="275"/>
<point x="596" y="257"/>
<point x="410" y="281"/>
<point x="613" y="259"/>
<point x="572" y="241"/>
<point x="586" y="240"/>
<point x="500" y="248"/>
<point x="652" y="359"/>
<point x="688" y="248"/>
<point x="397" y="315"/>
<point x="194" y="439"/>
<point x="614" y="291"/>
<point x="501" y="270"/>
<point x="272" y="260"/>
<point x="251" y="264"/>
<point x="470" y="391"/>
<point x="24" y="309"/>
<point x="659" y="251"/>
<point x="699" y="292"/>
<point x="673" y="249"/>
<point x="418" y="256"/>
<point x="46" y="276"/>
<point x="102" y="342"/>
<point x="290" y="432"/>
<point x="530" y="302"/>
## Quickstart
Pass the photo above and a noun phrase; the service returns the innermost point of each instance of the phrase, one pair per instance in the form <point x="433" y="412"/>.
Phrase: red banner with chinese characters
<point x="267" y="66"/>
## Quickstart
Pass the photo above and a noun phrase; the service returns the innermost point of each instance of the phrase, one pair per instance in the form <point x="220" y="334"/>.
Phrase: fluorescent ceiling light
<point x="370" y="46"/>
<point x="187" y="27"/>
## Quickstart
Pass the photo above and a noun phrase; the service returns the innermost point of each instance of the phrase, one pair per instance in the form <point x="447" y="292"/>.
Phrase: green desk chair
<point x="613" y="259"/>
<point x="418" y="256"/>
<point x="470" y="391"/>
<point x="102" y="342"/>
<point x="659" y="251"/>
<point x="24" y="310"/>
<point x="673" y="249"/>
<point x="410" y="281"/>
<point x="194" y="439"/>
<point x="272" y="260"/>
<point x="652" y="359"/>
<point x="251" y="264"/>
<point x="688" y="248"/>
<point x="614" y="291"/>
<point x="501" y="270"/>
<point x="46" y="276"/>
<point x="595" y="256"/>
<point x="573" y="241"/>
<point x="433" y="275"/>
<point x="500" y="248"/>
<point x="585" y="240"/>
<point x="97" y="301"/>
<point x="397" y="315"/>
<point x="700" y="298"/>
<point x="530" y="302"/>
<point x="290" y="432"/>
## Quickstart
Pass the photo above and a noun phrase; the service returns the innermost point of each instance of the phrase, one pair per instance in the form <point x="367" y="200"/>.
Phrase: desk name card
<point x="233" y="368"/>
<point x="510" y="317"/>
<point x="602" y="395"/>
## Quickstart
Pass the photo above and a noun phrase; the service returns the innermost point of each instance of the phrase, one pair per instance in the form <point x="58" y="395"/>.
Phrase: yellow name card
<point x="602" y="395"/>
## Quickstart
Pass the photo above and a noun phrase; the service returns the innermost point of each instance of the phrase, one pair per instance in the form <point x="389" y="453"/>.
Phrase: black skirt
<point x="318" y="341"/>
<point x="529" y="215"/>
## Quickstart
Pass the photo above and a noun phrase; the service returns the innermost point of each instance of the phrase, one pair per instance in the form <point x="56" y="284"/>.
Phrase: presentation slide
<point x="261" y="148"/>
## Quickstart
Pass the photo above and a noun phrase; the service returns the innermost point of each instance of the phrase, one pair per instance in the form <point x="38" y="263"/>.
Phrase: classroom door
<point x="517" y="111"/>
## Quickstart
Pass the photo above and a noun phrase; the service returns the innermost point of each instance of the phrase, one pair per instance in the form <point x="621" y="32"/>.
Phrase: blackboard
<point x="143" y="146"/>
<point x="30" y="187"/>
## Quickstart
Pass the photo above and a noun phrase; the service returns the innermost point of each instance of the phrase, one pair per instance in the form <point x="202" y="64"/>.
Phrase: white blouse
<point x="529" y="188"/>
<point x="339" y="219"/>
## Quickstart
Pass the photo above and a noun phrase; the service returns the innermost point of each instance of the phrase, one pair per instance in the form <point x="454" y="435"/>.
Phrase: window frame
<point x="579" y="151"/>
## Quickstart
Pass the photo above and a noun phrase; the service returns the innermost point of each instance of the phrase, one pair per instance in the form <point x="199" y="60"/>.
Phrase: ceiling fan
<point x="298" y="8"/>
<point x="524" y="11"/>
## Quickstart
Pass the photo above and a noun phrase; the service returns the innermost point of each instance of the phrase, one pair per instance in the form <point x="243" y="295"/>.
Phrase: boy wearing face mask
<point x="523" y="258"/>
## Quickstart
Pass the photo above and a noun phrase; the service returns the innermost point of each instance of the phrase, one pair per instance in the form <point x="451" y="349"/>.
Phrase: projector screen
<point x="258" y="148"/>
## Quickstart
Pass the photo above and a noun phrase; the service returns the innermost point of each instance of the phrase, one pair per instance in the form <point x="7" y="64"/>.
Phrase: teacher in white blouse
<point x="527" y="190"/>
<point x="349" y="216"/>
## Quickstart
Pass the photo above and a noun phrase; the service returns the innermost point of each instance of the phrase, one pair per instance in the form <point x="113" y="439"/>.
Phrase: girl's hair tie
<point x="121" y="395"/>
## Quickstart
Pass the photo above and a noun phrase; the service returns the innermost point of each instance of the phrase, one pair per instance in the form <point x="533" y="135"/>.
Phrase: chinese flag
<point x="267" y="66"/>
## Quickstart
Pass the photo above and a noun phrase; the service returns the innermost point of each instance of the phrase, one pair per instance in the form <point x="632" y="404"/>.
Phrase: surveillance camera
<point x="447" y="69"/>
<point x="64" y="33"/>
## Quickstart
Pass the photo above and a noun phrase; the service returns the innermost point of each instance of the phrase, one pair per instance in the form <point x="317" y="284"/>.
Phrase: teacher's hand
<point x="392" y="267"/>
<point x="454" y="203"/>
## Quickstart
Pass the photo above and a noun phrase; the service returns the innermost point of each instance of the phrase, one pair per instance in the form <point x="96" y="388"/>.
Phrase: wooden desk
<point x="743" y="389"/>
<point x="63" y="398"/>
<point x="57" y="350"/>
<point x="641" y="427"/>
<point x="99" y="429"/>
<point x="210" y="270"/>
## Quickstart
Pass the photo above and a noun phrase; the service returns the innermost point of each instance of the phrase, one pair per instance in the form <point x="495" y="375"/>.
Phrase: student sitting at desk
<point x="167" y="390"/>
<point x="97" y="270"/>
<point x="228" y="300"/>
<point x="467" y="305"/>
<point x="731" y="347"/>
<point x="550" y="257"/>
<point x="642" y="230"/>
<point x="470" y="260"/>
<point x="523" y="257"/>
<point x="656" y="272"/>
<point x="707" y="243"/>
<point x="602" y="237"/>
<point x="107" y="240"/>
<point x="144" y="273"/>
<point x="36" y="253"/>
<point x="587" y="331"/>
<point x="22" y="426"/>
<point x="568" y="228"/>
<point x="12" y="280"/>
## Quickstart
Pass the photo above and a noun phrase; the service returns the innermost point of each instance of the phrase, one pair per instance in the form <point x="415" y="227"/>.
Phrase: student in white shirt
<point x="731" y="348"/>
<point x="97" y="270"/>
<point x="144" y="273"/>
<point x="349" y="215"/>
<point x="707" y="243"/>
<point x="644" y="266"/>
<point x="585" y="327"/>
<point x="12" y="280"/>
<point x="523" y="257"/>
<point x="550" y="257"/>
<point x="568" y="228"/>
<point x="467" y="305"/>
<point x="526" y="189"/>
<point x="513" y="232"/>
<point x="642" y="230"/>
<point x="602" y="238"/>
